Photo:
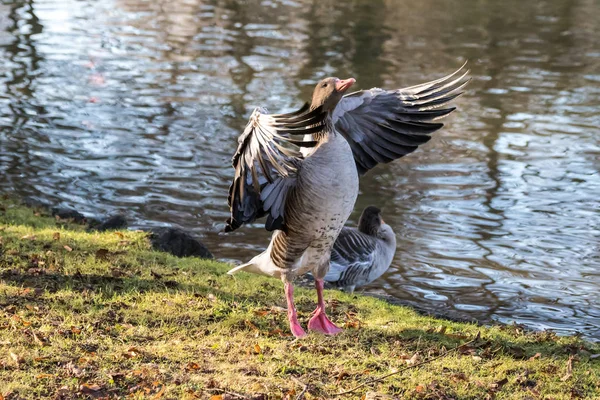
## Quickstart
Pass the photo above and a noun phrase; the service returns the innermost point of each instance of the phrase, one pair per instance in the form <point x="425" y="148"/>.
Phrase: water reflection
<point x="134" y="106"/>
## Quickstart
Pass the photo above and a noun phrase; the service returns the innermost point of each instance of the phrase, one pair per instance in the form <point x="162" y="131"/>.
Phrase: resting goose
<point x="361" y="255"/>
<point x="301" y="171"/>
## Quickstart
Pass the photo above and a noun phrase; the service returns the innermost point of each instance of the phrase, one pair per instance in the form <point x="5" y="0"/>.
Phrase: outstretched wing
<point x="384" y="125"/>
<point x="352" y="257"/>
<point x="266" y="162"/>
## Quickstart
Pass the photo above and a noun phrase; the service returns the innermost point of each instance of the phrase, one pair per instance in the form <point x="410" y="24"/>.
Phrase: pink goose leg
<point x="319" y="322"/>
<point x="291" y="311"/>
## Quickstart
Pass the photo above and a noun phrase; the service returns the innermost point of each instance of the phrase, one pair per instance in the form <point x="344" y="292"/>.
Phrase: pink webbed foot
<point x="320" y="323"/>
<point x="295" y="327"/>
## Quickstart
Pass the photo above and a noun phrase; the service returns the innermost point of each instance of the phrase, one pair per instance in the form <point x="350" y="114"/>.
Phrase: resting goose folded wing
<point x="353" y="254"/>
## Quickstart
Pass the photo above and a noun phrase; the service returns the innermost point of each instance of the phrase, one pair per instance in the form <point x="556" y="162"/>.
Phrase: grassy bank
<point x="101" y="315"/>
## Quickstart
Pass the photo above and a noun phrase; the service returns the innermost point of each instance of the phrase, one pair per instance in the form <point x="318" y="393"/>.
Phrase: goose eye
<point x="324" y="85"/>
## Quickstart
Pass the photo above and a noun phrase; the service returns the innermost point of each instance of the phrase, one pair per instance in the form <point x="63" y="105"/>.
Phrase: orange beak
<point x="343" y="84"/>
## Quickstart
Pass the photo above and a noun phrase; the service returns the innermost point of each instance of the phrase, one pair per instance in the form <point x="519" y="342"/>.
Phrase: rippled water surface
<point x="134" y="106"/>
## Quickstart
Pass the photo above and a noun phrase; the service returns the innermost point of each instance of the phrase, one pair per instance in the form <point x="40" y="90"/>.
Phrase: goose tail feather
<point x="238" y="268"/>
<point x="262" y="264"/>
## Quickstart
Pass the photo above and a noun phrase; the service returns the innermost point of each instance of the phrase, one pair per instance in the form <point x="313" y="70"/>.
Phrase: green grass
<point x="102" y="315"/>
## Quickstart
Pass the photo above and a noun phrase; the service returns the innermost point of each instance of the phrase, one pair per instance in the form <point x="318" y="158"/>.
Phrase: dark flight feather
<point x="266" y="163"/>
<point x="384" y="125"/>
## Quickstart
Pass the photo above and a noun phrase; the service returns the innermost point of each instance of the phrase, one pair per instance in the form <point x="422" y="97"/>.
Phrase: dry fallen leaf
<point x="352" y="323"/>
<point x="42" y="376"/>
<point x="413" y="360"/>
<point x="30" y="237"/>
<point x="250" y="325"/>
<point x="377" y="396"/>
<point x="536" y="356"/>
<point x="89" y="388"/>
<point x="341" y="376"/>
<point x="191" y="366"/>
<point x="67" y="248"/>
<point x="102" y="254"/>
<point x="498" y="385"/>
<point x="120" y="235"/>
<point x="39" y="339"/>
<point x="278" y="332"/>
<point x="216" y="397"/>
<point x="159" y="394"/>
<point x="56" y="236"/>
<point x="15" y="358"/>
<point x="569" y="369"/>
<point x="132" y="352"/>
<point x="459" y="376"/>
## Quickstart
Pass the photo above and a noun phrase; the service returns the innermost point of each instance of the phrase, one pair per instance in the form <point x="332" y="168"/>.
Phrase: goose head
<point x="372" y="224"/>
<point x="370" y="221"/>
<point x="329" y="92"/>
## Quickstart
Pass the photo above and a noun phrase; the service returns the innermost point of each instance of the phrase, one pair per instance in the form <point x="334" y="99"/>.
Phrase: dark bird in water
<point x="301" y="171"/>
<point x="361" y="255"/>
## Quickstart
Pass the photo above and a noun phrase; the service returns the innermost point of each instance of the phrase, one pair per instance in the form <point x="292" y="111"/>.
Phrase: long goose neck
<point x="387" y="238"/>
<point x="327" y="129"/>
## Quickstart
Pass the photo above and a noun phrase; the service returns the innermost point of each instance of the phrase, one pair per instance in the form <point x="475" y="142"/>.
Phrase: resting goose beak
<point x="343" y="84"/>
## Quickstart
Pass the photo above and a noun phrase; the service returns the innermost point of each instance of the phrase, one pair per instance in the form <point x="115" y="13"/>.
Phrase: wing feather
<point x="384" y="125"/>
<point x="352" y="255"/>
<point x="266" y="163"/>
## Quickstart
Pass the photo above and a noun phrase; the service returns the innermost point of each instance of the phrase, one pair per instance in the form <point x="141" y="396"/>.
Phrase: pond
<point x="134" y="106"/>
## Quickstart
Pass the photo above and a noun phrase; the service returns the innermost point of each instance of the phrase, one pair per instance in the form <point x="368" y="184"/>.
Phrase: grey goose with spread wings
<point x="301" y="171"/>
